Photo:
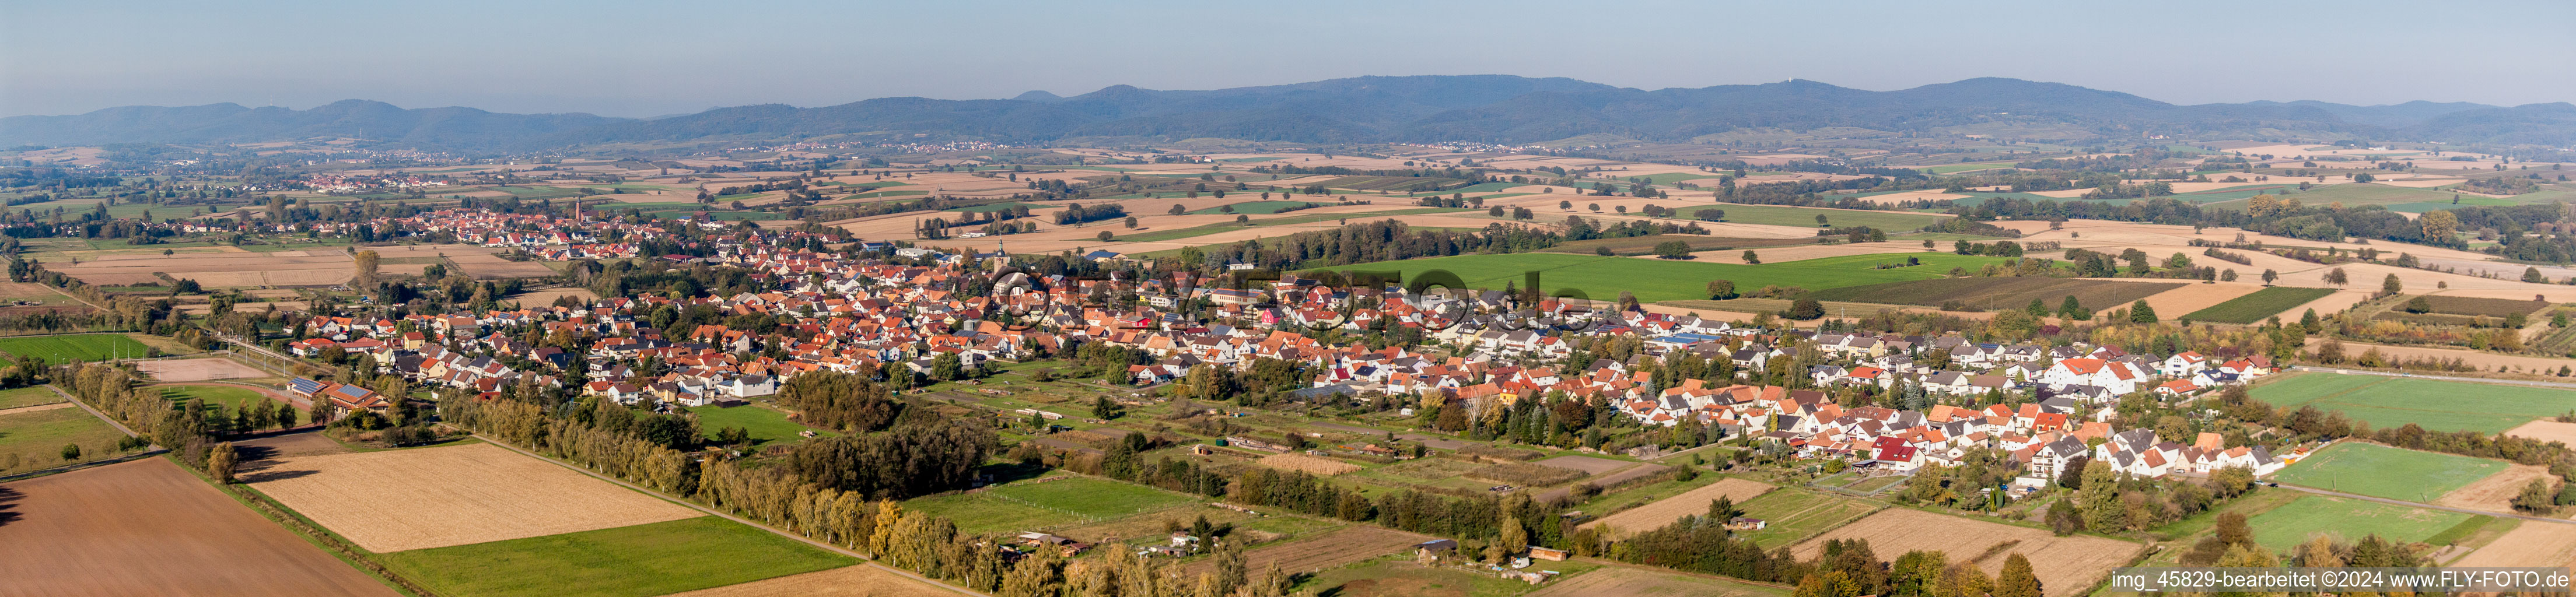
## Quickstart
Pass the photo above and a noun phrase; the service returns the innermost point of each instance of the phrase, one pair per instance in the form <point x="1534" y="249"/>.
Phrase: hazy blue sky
<point x="644" y="57"/>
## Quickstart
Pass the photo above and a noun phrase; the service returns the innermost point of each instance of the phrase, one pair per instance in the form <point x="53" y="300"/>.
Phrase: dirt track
<point x="165" y="533"/>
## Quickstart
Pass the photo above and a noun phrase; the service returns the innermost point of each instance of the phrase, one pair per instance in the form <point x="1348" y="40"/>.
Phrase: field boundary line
<point x="863" y="560"/>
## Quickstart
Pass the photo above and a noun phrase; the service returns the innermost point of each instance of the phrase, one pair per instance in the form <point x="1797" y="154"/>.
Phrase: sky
<point x="641" y="58"/>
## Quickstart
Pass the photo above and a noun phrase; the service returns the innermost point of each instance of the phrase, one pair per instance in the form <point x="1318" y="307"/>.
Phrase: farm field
<point x="1645" y="245"/>
<point x="2259" y="305"/>
<point x="631" y="561"/>
<point x="29" y="396"/>
<point x="2387" y="402"/>
<point x="1341" y="547"/>
<point x="2285" y="527"/>
<point x="1298" y="461"/>
<point x="261" y="265"/>
<point x="1780" y="215"/>
<point x="167" y="533"/>
<point x="1397" y="576"/>
<point x="2529" y="544"/>
<point x="452" y="495"/>
<point x="2490" y="307"/>
<point x="1997" y="293"/>
<point x="1655" y="280"/>
<point x="1030" y="506"/>
<point x="1665" y="511"/>
<point x="2066" y="565"/>
<point x="33" y="439"/>
<point x="858" y="580"/>
<point x="768" y="426"/>
<point x="1624" y="581"/>
<point x="1796" y="514"/>
<point x="2382" y="471"/>
<point x="73" y="348"/>
<point x="1257" y="207"/>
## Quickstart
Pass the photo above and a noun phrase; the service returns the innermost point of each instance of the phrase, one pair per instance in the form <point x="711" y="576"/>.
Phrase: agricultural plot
<point x="493" y="267"/>
<point x="632" y="561"/>
<point x="33" y="439"/>
<point x="29" y="396"/>
<point x="1996" y="293"/>
<point x="165" y="533"/>
<point x="74" y="348"/>
<point x="1645" y="245"/>
<point x="1310" y="464"/>
<point x="2259" y="305"/>
<point x="1796" y="514"/>
<point x="767" y="425"/>
<point x="1781" y="215"/>
<point x="2469" y="306"/>
<point x="2528" y="544"/>
<point x="2382" y="471"/>
<point x="1636" y="582"/>
<point x="199" y="370"/>
<point x="846" y="581"/>
<point x="2066" y="565"/>
<point x="2285" y="527"/>
<point x="1665" y="511"/>
<point x="1341" y="547"/>
<point x="266" y="265"/>
<point x="453" y="495"/>
<point x="2437" y="405"/>
<point x="1258" y="207"/>
<point x="1034" y="505"/>
<point x="1655" y="280"/>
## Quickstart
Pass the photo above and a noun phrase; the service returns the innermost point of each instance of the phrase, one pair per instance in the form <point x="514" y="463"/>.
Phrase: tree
<point x="1672" y="249"/>
<point x="1178" y="209"/>
<point x="2072" y="309"/>
<point x="220" y="462"/>
<point x="1806" y="309"/>
<point x="1749" y="257"/>
<point x="947" y="367"/>
<point x="1104" y="408"/>
<point x="71" y="451"/>
<point x="365" y="264"/>
<point x="2532" y="275"/>
<point x="2139" y="312"/>
<point x="2099" y="500"/>
<point x="2439" y="226"/>
<point x="1105" y="236"/>
<point x="1719" y="290"/>
<point x="2017" y="579"/>
<point x="2335" y="277"/>
<point x="2419" y="305"/>
<point x="1820" y="220"/>
<point x="1131" y="222"/>
<point x="2038" y="308"/>
<point x="2269" y="276"/>
<point x="2391" y="286"/>
<point x="2536" y="497"/>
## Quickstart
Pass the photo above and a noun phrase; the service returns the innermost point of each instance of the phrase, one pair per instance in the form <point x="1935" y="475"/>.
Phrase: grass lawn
<point x="36" y="439"/>
<point x="1781" y="215"/>
<point x="2285" y="527"/>
<point x="28" y="396"/>
<point x="2382" y="471"/>
<point x="1654" y="280"/>
<point x="2437" y="405"/>
<point x="232" y="399"/>
<point x="636" y="561"/>
<point x="1027" y="506"/>
<point x="2261" y="304"/>
<point x="767" y="425"/>
<point x="77" y="347"/>
<point x="1795" y="514"/>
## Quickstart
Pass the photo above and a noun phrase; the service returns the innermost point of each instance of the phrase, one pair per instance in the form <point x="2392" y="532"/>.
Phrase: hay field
<point x="166" y="533"/>
<point x="1664" y="511"/>
<point x="859" y="580"/>
<point x="2066" y="565"/>
<point x="452" y="495"/>
<point x="1311" y="464"/>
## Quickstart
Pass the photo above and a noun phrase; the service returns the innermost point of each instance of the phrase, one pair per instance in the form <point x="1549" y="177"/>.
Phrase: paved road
<point x="2421" y="504"/>
<point x="2517" y="382"/>
<point x="864" y="561"/>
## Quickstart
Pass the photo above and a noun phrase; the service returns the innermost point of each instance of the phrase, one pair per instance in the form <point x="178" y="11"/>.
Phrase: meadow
<point x="1653" y="280"/>
<point x="633" y="561"/>
<point x="28" y="396"/>
<point x="2382" y="471"/>
<point x="2437" y="405"/>
<point x="2285" y="527"/>
<point x="1796" y="514"/>
<point x="2259" y="305"/>
<point x="73" y="348"/>
<point x="767" y="425"/>
<point x="1027" y="505"/>
<point x="31" y="440"/>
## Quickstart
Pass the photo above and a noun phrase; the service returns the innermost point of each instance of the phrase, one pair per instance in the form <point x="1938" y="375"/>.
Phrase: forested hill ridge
<point x="1489" y="108"/>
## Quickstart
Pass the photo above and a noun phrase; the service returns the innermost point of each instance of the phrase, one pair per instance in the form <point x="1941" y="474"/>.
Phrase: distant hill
<point x="1492" y="108"/>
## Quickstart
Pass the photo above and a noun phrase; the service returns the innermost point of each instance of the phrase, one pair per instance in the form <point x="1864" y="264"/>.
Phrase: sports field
<point x="2259" y="305"/>
<point x="76" y="347"/>
<point x="2348" y="519"/>
<point x="231" y="398"/>
<point x="1027" y="506"/>
<point x="2382" y="471"/>
<point x="2437" y="405"/>
<point x="632" y="561"/>
<point x="767" y="425"/>
<point x="1654" y="280"/>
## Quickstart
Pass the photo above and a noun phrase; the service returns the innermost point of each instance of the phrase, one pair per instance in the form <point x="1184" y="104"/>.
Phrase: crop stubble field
<point x="2066" y="565"/>
<point x="165" y="533"/>
<point x="1664" y="511"/>
<point x="1311" y="464"/>
<point x="454" y="495"/>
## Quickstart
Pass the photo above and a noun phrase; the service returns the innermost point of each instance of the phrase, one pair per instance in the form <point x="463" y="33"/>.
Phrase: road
<point x="863" y="560"/>
<point x="111" y="421"/>
<point x="2383" y="500"/>
<point x="2517" y="382"/>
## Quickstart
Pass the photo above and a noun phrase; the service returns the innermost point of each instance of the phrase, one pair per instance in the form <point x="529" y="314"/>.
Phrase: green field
<point x="231" y="398"/>
<point x="28" y="396"/>
<point x="767" y="425"/>
<point x="1654" y="280"/>
<point x="1999" y="293"/>
<point x="1949" y="168"/>
<point x="2437" y="405"/>
<point x="2382" y="471"/>
<point x="1781" y="215"/>
<point x="637" y="561"/>
<point x="993" y="207"/>
<point x="2258" y="305"/>
<point x="1027" y="506"/>
<point x="2287" y="526"/>
<point x="1256" y="207"/>
<point x="1394" y="576"/>
<point x="1795" y="514"/>
<point x="72" y="348"/>
<point x="37" y="438"/>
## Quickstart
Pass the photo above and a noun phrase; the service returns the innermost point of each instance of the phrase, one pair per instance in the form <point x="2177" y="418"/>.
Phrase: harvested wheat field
<point x="165" y="533"/>
<point x="451" y="496"/>
<point x="1311" y="464"/>
<point x="2495" y="492"/>
<point x="2066" y="565"/>
<point x="2533" y="544"/>
<point x="860" y="580"/>
<point x="1622" y="581"/>
<point x="1318" y="552"/>
<point x="199" y="369"/>
<point x="1662" y="512"/>
<point x="492" y="267"/>
<point x="224" y="270"/>
<point x="2546" y="430"/>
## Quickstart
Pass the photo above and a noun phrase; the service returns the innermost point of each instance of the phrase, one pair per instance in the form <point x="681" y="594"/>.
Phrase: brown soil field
<point x="2196" y="296"/>
<point x="2546" y="430"/>
<point x="1664" y="511"/>
<point x="199" y="369"/>
<point x="1329" y="550"/>
<point x="1622" y="581"/>
<point x="860" y="580"/>
<point x="2488" y="360"/>
<point x="546" y="297"/>
<point x="451" y="496"/>
<point x="2534" y="544"/>
<point x="2494" y="493"/>
<point x="1311" y="464"/>
<point x="492" y="267"/>
<point x="165" y="533"/>
<point x="2066" y="565"/>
